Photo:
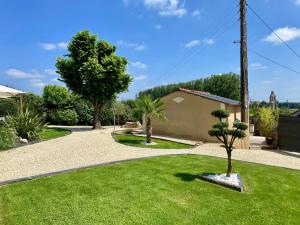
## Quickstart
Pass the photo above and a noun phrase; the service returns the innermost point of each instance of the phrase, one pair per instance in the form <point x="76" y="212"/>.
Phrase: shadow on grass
<point x="130" y="142"/>
<point x="186" y="176"/>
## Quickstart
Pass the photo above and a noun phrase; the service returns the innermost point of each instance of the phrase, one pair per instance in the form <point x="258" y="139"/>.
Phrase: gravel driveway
<point x="86" y="147"/>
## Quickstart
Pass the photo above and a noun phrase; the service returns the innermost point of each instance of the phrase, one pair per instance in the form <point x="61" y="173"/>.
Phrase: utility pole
<point x="244" y="64"/>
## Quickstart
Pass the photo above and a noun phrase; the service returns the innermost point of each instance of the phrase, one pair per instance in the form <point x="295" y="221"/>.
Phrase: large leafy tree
<point x="94" y="71"/>
<point x="225" y="85"/>
<point x="227" y="136"/>
<point x="150" y="109"/>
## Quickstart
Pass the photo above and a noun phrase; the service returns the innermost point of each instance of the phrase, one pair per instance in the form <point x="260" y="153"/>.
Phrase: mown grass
<point x="158" y="191"/>
<point x="137" y="141"/>
<point x="53" y="132"/>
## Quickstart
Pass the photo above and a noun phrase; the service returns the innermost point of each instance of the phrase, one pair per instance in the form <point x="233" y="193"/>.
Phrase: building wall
<point x="192" y="117"/>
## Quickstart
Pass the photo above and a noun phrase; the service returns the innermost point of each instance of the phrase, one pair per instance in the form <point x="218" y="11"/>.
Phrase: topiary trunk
<point x="149" y="130"/>
<point x="229" y="164"/>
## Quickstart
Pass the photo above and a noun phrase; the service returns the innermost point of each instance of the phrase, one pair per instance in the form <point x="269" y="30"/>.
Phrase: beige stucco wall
<point x="191" y="118"/>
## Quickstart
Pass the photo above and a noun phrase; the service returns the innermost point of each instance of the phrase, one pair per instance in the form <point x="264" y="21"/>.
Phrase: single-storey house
<point x="188" y="114"/>
<point x="296" y="113"/>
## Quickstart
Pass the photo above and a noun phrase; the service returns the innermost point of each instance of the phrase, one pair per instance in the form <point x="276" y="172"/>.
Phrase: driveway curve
<point x="85" y="147"/>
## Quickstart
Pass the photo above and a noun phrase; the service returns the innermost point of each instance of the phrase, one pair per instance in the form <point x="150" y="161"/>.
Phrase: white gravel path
<point x="86" y="147"/>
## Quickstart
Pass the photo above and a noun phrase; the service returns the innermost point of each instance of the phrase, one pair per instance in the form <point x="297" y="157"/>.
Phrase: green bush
<point x="55" y="96"/>
<point x="8" y="107"/>
<point x="107" y="117"/>
<point x="267" y="122"/>
<point x="7" y="138"/>
<point x="27" y="124"/>
<point x="34" y="103"/>
<point x="65" y="117"/>
<point x="83" y="109"/>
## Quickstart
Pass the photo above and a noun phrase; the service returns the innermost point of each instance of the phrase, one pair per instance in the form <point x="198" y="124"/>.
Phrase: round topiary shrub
<point x="7" y="138"/>
<point x="66" y="117"/>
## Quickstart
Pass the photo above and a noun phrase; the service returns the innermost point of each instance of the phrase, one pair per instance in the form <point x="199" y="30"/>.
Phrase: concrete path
<point x="85" y="147"/>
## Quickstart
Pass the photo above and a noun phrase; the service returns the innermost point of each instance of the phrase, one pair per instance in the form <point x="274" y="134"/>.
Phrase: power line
<point x="212" y="33"/>
<point x="274" y="62"/>
<point x="272" y="30"/>
<point x="197" y="49"/>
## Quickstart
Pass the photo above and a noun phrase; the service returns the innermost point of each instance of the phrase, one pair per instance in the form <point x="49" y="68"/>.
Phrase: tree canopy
<point x="224" y="85"/>
<point x="94" y="71"/>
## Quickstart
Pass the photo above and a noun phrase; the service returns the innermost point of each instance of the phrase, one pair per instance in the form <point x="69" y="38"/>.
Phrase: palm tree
<point x="150" y="109"/>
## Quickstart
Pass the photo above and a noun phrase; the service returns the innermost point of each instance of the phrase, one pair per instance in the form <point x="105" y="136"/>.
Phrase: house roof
<point x="211" y="96"/>
<point x="296" y="113"/>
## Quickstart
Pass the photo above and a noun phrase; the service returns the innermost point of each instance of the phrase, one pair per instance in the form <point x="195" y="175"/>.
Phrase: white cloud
<point x="173" y="12"/>
<point x="285" y="33"/>
<point x="138" y="65"/>
<point x="158" y="27"/>
<point x="62" y="45"/>
<point x="257" y="66"/>
<point x="196" y="13"/>
<point x="37" y="83"/>
<point x="208" y="41"/>
<point x="135" y="46"/>
<point x="297" y="2"/>
<point x="54" y="46"/>
<point x="195" y="43"/>
<point x="192" y="44"/>
<point x="140" y="77"/>
<point x="50" y="71"/>
<point x="167" y="7"/>
<point x="20" y="74"/>
<point x="48" y="46"/>
<point x="266" y="82"/>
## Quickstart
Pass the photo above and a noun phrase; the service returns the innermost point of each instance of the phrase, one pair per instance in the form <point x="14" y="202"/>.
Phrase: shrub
<point x="27" y="125"/>
<point x="34" y="103"/>
<point x="8" y="107"/>
<point x="83" y="109"/>
<point x="107" y="117"/>
<point x="55" y="96"/>
<point x="7" y="138"/>
<point x="65" y="117"/>
<point x="267" y="122"/>
<point x="220" y="113"/>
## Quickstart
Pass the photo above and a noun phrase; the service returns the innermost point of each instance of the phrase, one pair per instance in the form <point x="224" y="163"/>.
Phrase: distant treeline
<point x="282" y="105"/>
<point x="290" y="105"/>
<point x="224" y="85"/>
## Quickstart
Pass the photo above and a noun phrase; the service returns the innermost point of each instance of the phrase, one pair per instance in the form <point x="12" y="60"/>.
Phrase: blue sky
<point x="165" y="41"/>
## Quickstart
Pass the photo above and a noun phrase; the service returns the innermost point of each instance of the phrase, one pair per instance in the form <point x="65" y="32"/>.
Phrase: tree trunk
<point x="229" y="165"/>
<point x="149" y="130"/>
<point x="97" y="111"/>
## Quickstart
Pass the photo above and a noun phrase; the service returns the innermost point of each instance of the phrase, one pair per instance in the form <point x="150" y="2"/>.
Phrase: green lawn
<point x="51" y="133"/>
<point x="136" y="141"/>
<point x="158" y="191"/>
